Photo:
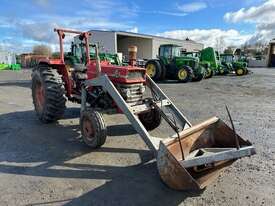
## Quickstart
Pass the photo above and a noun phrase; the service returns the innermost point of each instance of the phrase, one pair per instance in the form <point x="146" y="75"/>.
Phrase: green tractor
<point x="205" y="65"/>
<point x="171" y="65"/>
<point x="77" y="55"/>
<point x="239" y="67"/>
<point x="211" y="59"/>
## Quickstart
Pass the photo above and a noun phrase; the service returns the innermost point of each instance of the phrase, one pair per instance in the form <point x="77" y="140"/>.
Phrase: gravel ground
<point x="49" y="165"/>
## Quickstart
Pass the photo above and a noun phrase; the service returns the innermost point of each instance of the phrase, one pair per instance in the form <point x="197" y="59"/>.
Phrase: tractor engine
<point x="129" y="81"/>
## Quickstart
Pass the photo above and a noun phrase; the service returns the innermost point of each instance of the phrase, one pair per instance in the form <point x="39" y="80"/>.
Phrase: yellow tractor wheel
<point x="154" y="69"/>
<point x="151" y="70"/>
<point x="184" y="75"/>
<point x="240" y="72"/>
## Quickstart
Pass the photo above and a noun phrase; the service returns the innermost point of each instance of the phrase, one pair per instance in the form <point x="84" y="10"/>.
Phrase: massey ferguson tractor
<point x="189" y="159"/>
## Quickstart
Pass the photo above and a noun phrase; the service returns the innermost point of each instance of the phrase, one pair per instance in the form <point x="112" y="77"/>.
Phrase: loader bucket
<point x="208" y="148"/>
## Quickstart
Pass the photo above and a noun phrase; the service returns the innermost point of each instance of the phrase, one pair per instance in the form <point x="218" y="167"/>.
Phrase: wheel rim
<point x="88" y="130"/>
<point x="151" y="70"/>
<point x="208" y="73"/>
<point x="182" y="74"/>
<point x="39" y="96"/>
<point x="240" y="72"/>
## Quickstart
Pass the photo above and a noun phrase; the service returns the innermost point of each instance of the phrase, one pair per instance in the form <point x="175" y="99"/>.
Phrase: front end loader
<point x="190" y="158"/>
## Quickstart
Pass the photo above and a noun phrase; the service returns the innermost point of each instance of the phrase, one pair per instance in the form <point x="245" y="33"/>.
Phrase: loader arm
<point x="132" y="111"/>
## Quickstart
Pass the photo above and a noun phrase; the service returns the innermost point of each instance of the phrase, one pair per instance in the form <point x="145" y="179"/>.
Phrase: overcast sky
<point x="29" y="22"/>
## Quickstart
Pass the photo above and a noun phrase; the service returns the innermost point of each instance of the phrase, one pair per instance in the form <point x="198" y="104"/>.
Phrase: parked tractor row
<point x="192" y="66"/>
<point x="10" y="67"/>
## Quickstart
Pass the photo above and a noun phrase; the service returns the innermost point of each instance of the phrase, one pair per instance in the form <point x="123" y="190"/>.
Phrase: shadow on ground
<point x="18" y="83"/>
<point x="25" y="140"/>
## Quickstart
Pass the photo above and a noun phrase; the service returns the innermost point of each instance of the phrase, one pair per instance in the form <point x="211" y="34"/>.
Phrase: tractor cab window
<point x="188" y="54"/>
<point x="169" y="51"/>
<point x="176" y="51"/>
<point x="78" y="52"/>
<point x="227" y="59"/>
<point x="165" y="51"/>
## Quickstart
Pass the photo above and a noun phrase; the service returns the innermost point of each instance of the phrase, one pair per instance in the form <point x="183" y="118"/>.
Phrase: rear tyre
<point x="151" y="119"/>
<point x="184" y="75"/>
<point x="163" y="72"/>
<point x="153" y="69"/>
<point x="93" y="128"/>
<point x="48" y="93"/>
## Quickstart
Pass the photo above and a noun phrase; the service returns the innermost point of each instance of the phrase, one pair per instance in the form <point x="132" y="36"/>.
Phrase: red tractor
<point x="54" y="81"/>
<point x="189" y="159"/>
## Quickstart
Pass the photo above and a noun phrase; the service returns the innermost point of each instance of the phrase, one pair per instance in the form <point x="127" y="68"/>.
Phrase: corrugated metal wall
<point x="7" y="58"/>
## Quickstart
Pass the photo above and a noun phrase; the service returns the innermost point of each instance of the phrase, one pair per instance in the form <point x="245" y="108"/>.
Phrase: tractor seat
<point x="79" y="67"/>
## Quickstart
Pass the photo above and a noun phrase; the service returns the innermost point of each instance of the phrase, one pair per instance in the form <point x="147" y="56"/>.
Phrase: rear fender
<point x="62" y="70"/>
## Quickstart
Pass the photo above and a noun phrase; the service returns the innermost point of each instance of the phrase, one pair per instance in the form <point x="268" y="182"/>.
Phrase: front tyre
<point x="199" y="75"/>
<point x="184" y="75"/>
<point x="240" y="72"/>
<point x="93" y="129"/>
<point x="209" y="73"/>
<point x="151" y="119"/>
<point x="48" y="93"/>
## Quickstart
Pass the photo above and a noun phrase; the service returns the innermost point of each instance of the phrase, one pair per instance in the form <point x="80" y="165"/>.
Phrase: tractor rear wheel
<point x="154" y="69"/>
<point x="48" y="93"/>
<point x="184" y="74"/>
<point x="93" y="128"/>
<point x="151" y="119"/>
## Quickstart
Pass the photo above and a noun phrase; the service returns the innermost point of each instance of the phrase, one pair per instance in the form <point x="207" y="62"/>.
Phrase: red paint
<point x="117" y="74"/>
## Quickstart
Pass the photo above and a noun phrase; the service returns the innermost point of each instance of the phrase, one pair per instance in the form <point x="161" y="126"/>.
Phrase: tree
<point x="220" y="44"/>
<point x="42" y="50"/>
<point x="229" y="50"/>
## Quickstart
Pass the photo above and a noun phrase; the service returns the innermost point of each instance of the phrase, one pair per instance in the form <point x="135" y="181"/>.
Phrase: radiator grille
<point x="131" y="93"/>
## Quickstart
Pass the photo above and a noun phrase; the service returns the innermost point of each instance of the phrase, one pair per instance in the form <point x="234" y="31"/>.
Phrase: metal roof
<point x="126" y="33"/>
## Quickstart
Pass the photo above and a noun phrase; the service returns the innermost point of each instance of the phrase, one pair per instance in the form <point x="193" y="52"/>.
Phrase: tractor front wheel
<point x="184" y="75"/>
<point x="200" y="75"/>
<point x="151" y="119"/>
<point x="240" y="72"/>
<point x="48" y="93"/>
<point x="209" y="73"/>
<point x="93" y="128"/>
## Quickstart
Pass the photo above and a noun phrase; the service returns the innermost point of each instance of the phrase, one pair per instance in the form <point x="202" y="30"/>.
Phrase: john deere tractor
<point x="205" y="65"/>
<point x="239" y="67"/>
<point x="171" y="65"/>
